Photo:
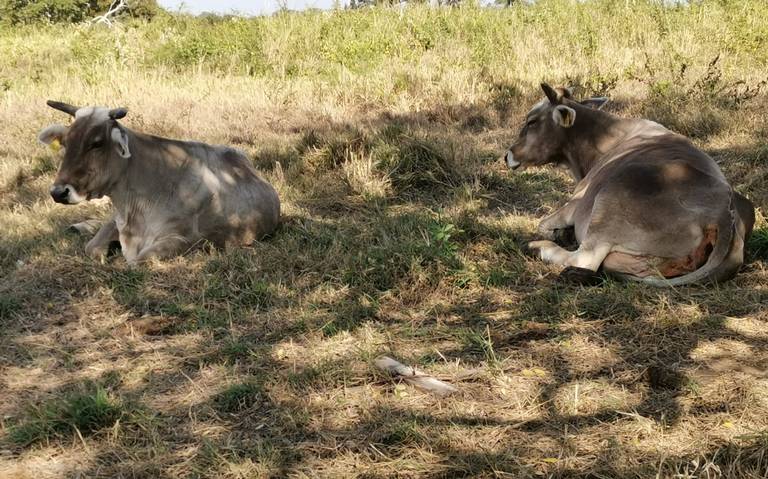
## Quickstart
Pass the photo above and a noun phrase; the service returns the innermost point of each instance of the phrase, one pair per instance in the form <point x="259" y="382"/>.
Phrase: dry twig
<point x="414" y="377"/>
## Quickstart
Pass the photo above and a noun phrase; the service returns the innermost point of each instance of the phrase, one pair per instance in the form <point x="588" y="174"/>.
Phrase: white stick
<point x="114" y="8"/>
<point x="414" y="377"/>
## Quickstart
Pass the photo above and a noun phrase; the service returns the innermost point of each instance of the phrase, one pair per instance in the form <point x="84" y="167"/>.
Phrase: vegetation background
<point x="382" y="129"/>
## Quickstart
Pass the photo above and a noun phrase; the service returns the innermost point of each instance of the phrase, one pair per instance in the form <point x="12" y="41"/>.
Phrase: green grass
<point x="479" y="342"/>
<point x="238" y="397"/>
<point x="320" y="45"/>
<point x="233" y="280"/>
<point x="403" y="233"/>
<point x="9" y="306"/>
<point x="79" y="412"/>
<point x="758" y="243"/>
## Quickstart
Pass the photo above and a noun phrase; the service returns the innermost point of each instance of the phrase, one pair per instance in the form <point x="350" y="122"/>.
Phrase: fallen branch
<point x="414" y="377"/>
<point x="114" y="9"/>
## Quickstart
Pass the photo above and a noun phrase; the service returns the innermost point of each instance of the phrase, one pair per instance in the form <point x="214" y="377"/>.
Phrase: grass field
<point x="402" y="234"/>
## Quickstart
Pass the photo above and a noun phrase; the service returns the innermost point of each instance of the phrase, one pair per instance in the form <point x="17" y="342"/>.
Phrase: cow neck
<point x="147" y="176"/>
<point x="594" y="133"/>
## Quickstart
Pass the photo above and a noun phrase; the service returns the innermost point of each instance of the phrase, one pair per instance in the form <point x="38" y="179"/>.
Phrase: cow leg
<point x="581" y="265"/>
<point x="98" y="246"/>
<point x="83" y="228"/>
<point x="588" y="256"/>
<point x="559" y="220"/>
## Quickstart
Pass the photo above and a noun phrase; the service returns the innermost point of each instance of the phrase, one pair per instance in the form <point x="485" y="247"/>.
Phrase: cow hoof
<point x="113" y="248"/>
<point x="582" y="276"/>
<point x="528" y="251"/>
<point x="565" y="237"/>
<point x="85" y="228"/>
<point x="533" y="249"/>
<point x="100" y="252"/>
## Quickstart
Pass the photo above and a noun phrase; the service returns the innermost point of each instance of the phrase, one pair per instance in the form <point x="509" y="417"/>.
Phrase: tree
<point x="69" y="11"/>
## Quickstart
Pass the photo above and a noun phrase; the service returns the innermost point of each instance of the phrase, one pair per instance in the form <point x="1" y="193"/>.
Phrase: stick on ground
<point x="414" y="377"/>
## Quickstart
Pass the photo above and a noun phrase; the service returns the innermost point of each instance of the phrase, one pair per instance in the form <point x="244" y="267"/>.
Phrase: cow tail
<point x="712" y="269"/>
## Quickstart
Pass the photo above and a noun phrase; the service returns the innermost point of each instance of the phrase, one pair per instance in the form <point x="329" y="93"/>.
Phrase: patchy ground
<point x="402" y="234"/>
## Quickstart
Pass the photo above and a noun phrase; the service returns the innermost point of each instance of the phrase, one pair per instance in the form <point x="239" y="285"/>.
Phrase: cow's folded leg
<point x="589" y="256"/>
<point x="99" y="246"/>
<point x="550" y="252"/>
<point x="84" y="228"/>
<point x="559" y="220"/>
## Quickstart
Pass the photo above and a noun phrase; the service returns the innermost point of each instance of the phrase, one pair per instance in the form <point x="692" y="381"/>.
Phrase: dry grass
<point x="402" y="234"/>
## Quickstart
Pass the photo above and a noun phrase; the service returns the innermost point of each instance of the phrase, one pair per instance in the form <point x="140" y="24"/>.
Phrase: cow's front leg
<point x="561" y="219"/>
<point x="98" y="246"/>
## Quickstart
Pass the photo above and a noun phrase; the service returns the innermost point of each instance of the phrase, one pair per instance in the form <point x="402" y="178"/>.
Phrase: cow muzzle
<point x="65" y="194"/>
<point x="512" y="163"/>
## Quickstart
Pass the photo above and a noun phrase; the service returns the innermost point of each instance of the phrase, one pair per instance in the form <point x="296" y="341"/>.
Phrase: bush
<point x="68" y="11"/>
<point x="55" y="11"/>
<point x="137" y="8"/>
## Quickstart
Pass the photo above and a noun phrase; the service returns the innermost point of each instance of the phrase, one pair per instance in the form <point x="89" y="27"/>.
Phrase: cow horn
<point x="554" y="97"/>
<point x="65" y="107"/>
<point x="117" y="113"/>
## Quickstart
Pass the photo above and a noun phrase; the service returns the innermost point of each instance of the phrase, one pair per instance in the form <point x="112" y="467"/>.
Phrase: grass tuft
<point x="84" y="412"/>
<point x="419" y="164"/>
<point x="757" y="246"/>
<point x="239" y="397"/>
<point x="9" y="307"/>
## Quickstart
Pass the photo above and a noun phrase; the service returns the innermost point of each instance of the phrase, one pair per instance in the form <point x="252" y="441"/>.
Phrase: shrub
<point x="55" y="11"/>
<point x="68" y="11"/>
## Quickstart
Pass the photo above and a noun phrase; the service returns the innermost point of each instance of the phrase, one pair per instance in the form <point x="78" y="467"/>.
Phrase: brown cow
<point x="648" y="205"/>
<point x="168" y="195"/>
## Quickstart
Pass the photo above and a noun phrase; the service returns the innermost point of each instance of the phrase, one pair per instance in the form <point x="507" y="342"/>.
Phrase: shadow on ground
<point x="260" y="360"/>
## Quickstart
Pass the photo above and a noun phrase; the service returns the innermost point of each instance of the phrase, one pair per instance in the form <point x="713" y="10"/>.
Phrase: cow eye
<point x="98" y="143"/>
<point x="532" y="121"/>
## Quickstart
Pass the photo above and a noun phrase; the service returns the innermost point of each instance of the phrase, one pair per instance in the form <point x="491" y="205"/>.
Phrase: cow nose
<point x="60" y="194"/>
<point x="511" y="161"/>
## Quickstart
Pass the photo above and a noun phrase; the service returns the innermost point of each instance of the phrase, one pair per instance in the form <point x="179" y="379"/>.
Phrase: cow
<point x="169" y="196"/>
<point x="648" y="205"/>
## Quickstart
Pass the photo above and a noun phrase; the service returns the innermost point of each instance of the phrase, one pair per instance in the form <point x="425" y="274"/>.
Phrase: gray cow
<point x="168" y="195"/>
<point x="648" y="205"/>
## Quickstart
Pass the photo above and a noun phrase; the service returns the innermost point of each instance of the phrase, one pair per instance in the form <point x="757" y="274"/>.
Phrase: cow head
<point x="544" y="135"/>
<point x="95" y="148"/>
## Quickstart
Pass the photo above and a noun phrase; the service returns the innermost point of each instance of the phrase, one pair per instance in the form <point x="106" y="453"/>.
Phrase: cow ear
<point x="597" y="102"/>
<point x="564" y="116"/>
<point x="117" y="113"/>
<point x="120" y="140"/>
<point x="52" y="134"/>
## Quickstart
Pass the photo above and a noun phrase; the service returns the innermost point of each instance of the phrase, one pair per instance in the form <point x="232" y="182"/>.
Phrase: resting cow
<point x="168" y="195"/>
<point x="648" y="205"/>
